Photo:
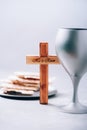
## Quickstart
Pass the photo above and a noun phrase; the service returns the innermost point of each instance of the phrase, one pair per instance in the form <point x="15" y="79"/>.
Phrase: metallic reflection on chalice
<point x="71" y="49"/>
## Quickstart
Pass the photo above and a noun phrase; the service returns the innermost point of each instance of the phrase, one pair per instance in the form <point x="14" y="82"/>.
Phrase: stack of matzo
<point x="22" y="84"/>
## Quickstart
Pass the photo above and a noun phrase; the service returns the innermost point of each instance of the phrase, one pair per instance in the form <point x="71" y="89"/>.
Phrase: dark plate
<point x="35" y="96"/>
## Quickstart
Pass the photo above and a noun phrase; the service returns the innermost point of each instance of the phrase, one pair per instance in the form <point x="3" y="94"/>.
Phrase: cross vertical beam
<point x="44" y="75"/>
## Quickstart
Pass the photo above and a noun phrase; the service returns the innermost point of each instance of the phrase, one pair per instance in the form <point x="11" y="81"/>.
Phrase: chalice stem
<point x="75" y="81"/>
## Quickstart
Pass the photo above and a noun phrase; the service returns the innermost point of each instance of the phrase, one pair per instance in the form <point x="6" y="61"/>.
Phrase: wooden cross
<point x="44" y="59"/>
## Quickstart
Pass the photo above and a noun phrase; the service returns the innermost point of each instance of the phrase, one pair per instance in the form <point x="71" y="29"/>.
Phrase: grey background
<point x="25" y="23"/>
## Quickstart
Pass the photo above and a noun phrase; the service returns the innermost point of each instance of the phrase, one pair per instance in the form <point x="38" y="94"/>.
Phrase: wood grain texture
<point x="44" y="75"/>
<point x="42" y="60"/>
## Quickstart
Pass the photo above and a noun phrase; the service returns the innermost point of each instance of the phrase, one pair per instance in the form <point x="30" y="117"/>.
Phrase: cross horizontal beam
<point x="42" y="60"/>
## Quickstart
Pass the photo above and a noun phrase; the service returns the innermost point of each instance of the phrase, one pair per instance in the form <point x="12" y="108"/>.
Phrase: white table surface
<point x="30" y="115"/>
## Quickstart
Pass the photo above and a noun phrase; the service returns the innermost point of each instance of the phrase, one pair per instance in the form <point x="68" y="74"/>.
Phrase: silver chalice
<point x="71" y="49"/>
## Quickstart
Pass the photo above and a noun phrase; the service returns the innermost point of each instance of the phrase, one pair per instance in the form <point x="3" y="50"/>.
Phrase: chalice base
<point x="74" y="108"/>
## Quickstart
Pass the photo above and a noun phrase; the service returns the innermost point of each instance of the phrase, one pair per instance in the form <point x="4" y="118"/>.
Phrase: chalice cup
<point x="71" y="49"/>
